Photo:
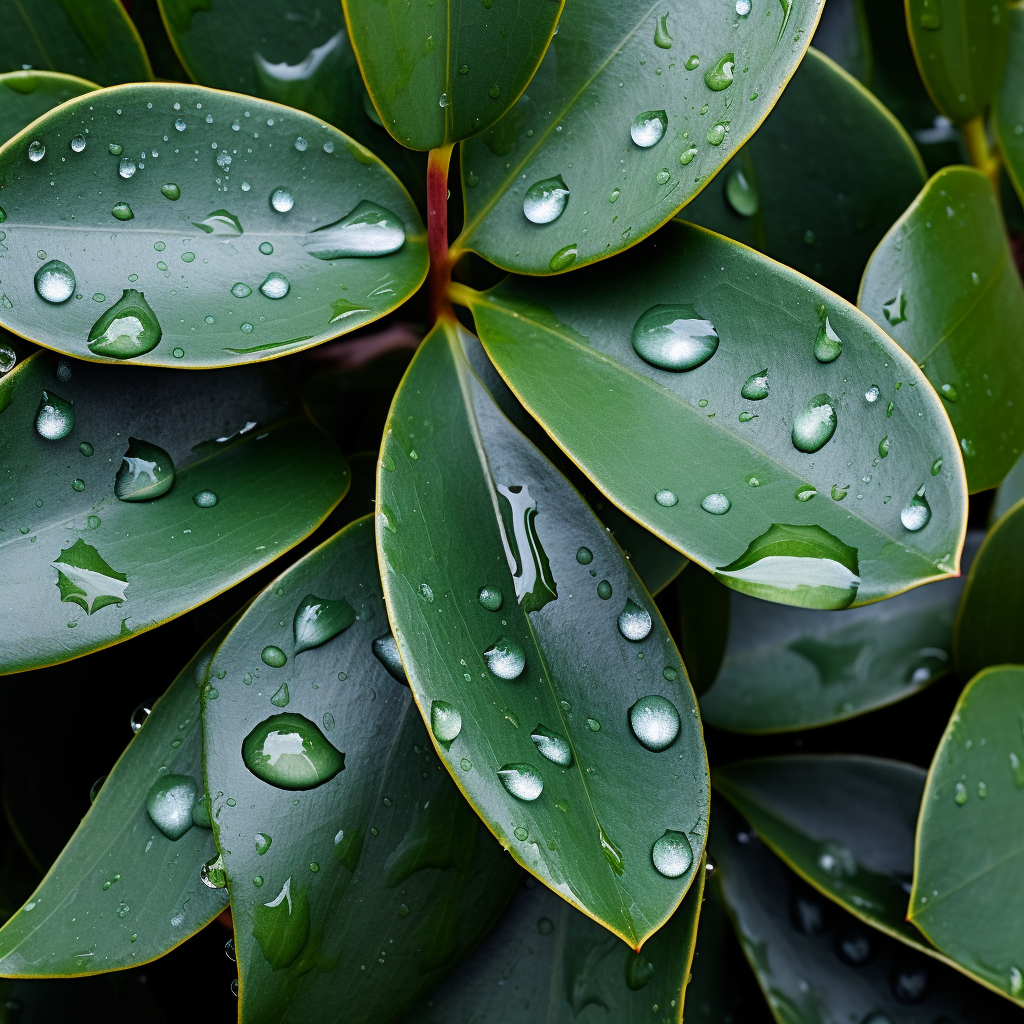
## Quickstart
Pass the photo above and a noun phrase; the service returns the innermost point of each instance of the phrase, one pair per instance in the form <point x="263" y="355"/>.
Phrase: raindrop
<point x="36" y="152"/>
<point x="169" y="804"/>
<point x="755" y="388"/>
<point x="301" y="144"/>
<point x="545" y="200"/>
<point x="655" y="722"/>
<point x="551" y="745"/>
<point x="692" y="62"/>
<point x="146" y="472"/>
<point x="122" y="211"/>
<point x="716" y="504"/>
<point x="241" y="290"/>
<point x="883" y="447"/>
<point x="140" y="714"/>
<point x="318" y="620"/>
<point x="522" y="834"/>
<point x="229" y="950"/>
<point x="290" y="752"/>
<point x="55" y="282"/>
<point x="55" y="416"/>
<point x="949" y="393"/>
<point x="805" y="492"/>
<point x="648" y="128"/>
<point x="127" y="167"/>
<point x="672" y="854"/>
<point x="814" y="424"/>
<point x="584" y="556"/>
<point x="205" y="499"/>
<point x="523" y="781"/>
<point x="743" y="8"/>
<point x="8" y="359"/>
<point x="506" y="659"/>
<point x="445" y="722"/>
<point x="604" y="590"/>
<point x="368" y="230"/>
<point x="741" y="194"/>
<point x="687" y="155"/>
<point x="666" y="498"/>
<point x="490" y="598"/>
<point x="385" y="650"/>
<point x="662" y="36"/>
<point x="937" y="467"/>
<point x="716" y="133"/>
<point x="674" y="337"/>
<point x="916" y="512"/>
<point x="563" y="258"/>
<point x="273" y="656"/>
<point x="895" y="309"/>
<point x="128" y="328"/>
<point x="170" y="191"/>
<point x="827" y="345"/>
<point x="275" y="286"/>
<point x="634" y="621"/>
<point x="854" y="946"/>
<point x="720" y="75"/>
<point x="639" y="970"/>
<point x="78" y="144"/>
<point x="282" y="200"/>
<point x="213" y="873"/>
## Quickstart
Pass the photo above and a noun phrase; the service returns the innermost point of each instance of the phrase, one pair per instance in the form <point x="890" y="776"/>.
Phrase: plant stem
<point x="437" y="230"/>
<point x="982" y="155"/>
<point x="460" y="294"/>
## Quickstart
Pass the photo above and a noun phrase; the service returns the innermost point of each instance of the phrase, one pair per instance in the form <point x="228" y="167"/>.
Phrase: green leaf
<point x="227" y="276"/>
<point x="960" y="49"/>
<point x="843" y="35"/>
<point x="125" y="892"/>
<point x="371" y="881"/>
<point x="26" y="95"/>
<point x="970" y="836"/>
<point x="546" y="956"/>
<point x="441" y="73"/>
<point x="944" y="285"/>
<point x="505" y="593"/>
<point x="793" y="668"/>
<point x="1008" y="110"/>
<point x="1010" y="491"/>
<point x="818" y="965"/>
<point x="84" y="569"/>
<point x="820" y="209"/>
<point x="703" y="625"/>
<point x="607" y="67"/>
<point x="691" y="437"/>
<point x="94" y="39"/>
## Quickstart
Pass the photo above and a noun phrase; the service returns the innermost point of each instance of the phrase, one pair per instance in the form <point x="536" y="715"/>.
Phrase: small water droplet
<point x="937" y="467"/>
<point x="666" y="498"/>
<point x="741" y="194"/>
<point x="445" y="722"/>
<point x="814" y="424"/>
<point x="55" y="282"/>
<point x="146" y="472"/>
<point x="282" y="200"/>
<point x="506" y="659"/>
<point x="490" y="598"/>
<point x="674" y="337"/>
<point x="827" y="345"/>
<point x="523" y="781"/>
<point x="604" y="590"/>
<point x="916" y="512"/>
<point x="894" y="310"/>
<point x="662" y="36"/>
<point x="692" y="62"/>
<point x="672" y="854"/>
<point x="126" y="168"/>
<point x="122" y="211"/>
<point x="55" y="416"/>
<point x="687" y="155"/>
<point x="805" y="492"/>
<point x="871" y="395"/>
<point x="213" y="873"/>
<point x="634" y="621"/>
<point x="545" y="200"/>
<point x="648" y="128"/>
<point x="78" y="144"/>
<point x="717" y="132"/>
<point x="521" y="834"/>
<point x="756" y="387"/>
<point x="593" y="725"/>
<point x="960" y="794"/>
<point x="169" y="804"/>
<point x="720" y="75"/>
<point x="205" y="499"/>
<point x="241" y="290"/>
<point x="563" y="258"/>
<point x="552" y="745"/>
<point x="273" y="656"/>
<point x="655" y="722"/>
<point x="949" y="393"/>
<point x="275" y="286"/>
<point x="716" y="504"/>
<point x="584" y="556"/>
<point x="36" y="151"/>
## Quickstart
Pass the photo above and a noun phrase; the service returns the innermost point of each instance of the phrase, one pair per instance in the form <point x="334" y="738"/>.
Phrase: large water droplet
<point x="273" y="656"/>
<point x="871" y="395"/>
<point x="170" y="191"/>
<point x="385" y="650"/>
<point x="146" y="472"/>
<point x="720" y="75"/>
<point x="655" y="722"/>
<point x="368" y="230"/>
<point x="523" y="781"/>
<point x="672" y="854"/>
<point x="717" y="132"/>
<point x="564" y="257"/>
<point x="741" y="194"/>
<point x="122" y="211"/>
<point x="490" y="598"/>
<point x="552" y="745"/>
<point x="290" y="752"/>
<point x="916" y="512"/>
<point x="445" y="722"/>
<point x="169" y="804"/>
<point x="634" y="621"/>
<point x="140" y="714"/>
<point x="662" y="36"/>
<point x="545" y="200"/>
<point x="126" y="168"/>
<point x="275" y="286"/>
<point x="318" y="620"/>
<point x="648" y="128"/>
<point x="55" y="282"/>
<point x="666" y="498"/>
<point x="55" y="416"/>
<point x="827" y="345"/>
<point x="128" y="329"/>
<point x="716" y="504"/>
<point x="674" y="337"/>
<point x="756" y="387"/>
<point x="282" y="200"/>
<point x="506" y="659"/>
<point x="814" y="424"/>
<point x="36" y="151"/>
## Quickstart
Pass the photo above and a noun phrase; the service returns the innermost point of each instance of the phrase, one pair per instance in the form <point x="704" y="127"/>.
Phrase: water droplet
<point x="672" y="854"/>
<point x="716" y="504"/>
<point x="466" y="765"/>
<point x="263" y="842"/>
<point x="756" y="387"/>
<point x="545" y="200"/>
<point x="674" y="337"/>
<point x="949" y="393"/>
<point x="55" y="282"/>
<point x="282" y="200"/>
<point x="368" y="230"/>
<point x="692" y="62"/>
<point x="506" y="659"/>
<point x="639" y="970"/>
<point x="490" y="598"/>
<point x="894" y="310"/>
<point x="827" y="345"/>
<point x="318" y="620"/>
<point x="522" y="834"/>
<point x="1016" y="981"/>
<point x="551" y="745"/>
<point x="55" y="416"/>
<point x="855" y="946"/>
<point x="741" y="194"/>
<point x="593" y="725"/>
<point x="86" y="449"/>
<point x="634" y="621"/>
<point x="805" y="492"/>
<point x="523" y="781"/>
<point x="648" y="128"/>
<point x="916" y="512"/>
<point x="563" y="258"/>
<point x="687" y="155"/>
<point x="909" y="982"/>
<point x="241" y="290"/>
<point x="169" y="804"/>
<point x="290" y="752"/>
<point x="930" y="17"/>
<point x="584" y="556"/>
<point x="662" y="36"/>
<point x="122" y="211"/>
<point x="273" y="656"/>
<point x="716" y="133"/>
<point x="937" y="467"/>
<point x="719" y="75"/>
<point x="666" y="498"/>
<point x="385" y="650"/>
<point x="36" y="151"/>
<point x="883" y="447"/>
<point x="281" y="697"/>
<point x="213" y="873"/>
<point x="126" y="168"/>
<point x="127" y="329"/>
<point x="205" y="499"/>
<point x="445" y="722"/>
<point x="960" y="794"/>
<point x="266" y="248"/>
<point x="604" y="590"/>
<point x="742" y="8"/>
<point x="275" y="286"/>
<point x="814" y="424"/>
<point x="78" y="144"/>
<point x="494" y="92"/>
<point x="840" y="491"/>
<point x="146" y="472"/>
<point x="655" y="722"/>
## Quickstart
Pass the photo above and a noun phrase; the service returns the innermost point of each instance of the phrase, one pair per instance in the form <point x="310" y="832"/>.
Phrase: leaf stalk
<point x="984" y="156"/>
<point x="439" y="278"/>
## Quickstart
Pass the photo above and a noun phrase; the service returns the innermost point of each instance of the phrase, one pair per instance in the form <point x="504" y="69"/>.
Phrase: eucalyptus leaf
<point x="843" y="35"/>
<point x="707" y="457"/>
<point x="960" y="49"/>
<point x="944" y="285"/>
<point x="230" y="245"/>
<point x="94" y="39"/>
<point x="1008" y="110"/>
<point x="354" y="865"/>
<point x="629" y="116"/>
<point x="819" y="209"/>
<point x="970" y="836"/>
<point x="83" y="568"/>
<point x="441" y="73"/>
<point x="26" y="95"/>
<point x="519" y="618"/>
<point x="124" y="891"/>
<point x="1010" y="491"/>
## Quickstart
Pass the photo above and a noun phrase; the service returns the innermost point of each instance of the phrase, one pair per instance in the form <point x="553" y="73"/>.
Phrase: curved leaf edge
<point x="56" y="77"/>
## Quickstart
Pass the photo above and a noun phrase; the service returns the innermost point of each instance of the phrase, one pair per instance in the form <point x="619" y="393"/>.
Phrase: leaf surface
<point x="609" y="78"/>
<point x="669" y="442"/>
<point x="84" y="569"/>
<point x="246" y="243"/>
<point x="513" y="607"/>
<point x="26" y="95"/>
<point x="1008" y="109"/>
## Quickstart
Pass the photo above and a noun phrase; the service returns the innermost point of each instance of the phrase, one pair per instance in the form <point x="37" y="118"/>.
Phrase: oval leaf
<point x="83" y="568"/>
<point x="970" y="836"/>
<point x="944" y="285"/>
<point x="438" y="74"/>
<point x="126" y="889"/>
<point x="618" y="149"/>
<point x="245" y="245"/>
<point x="1008" y="110"/>
<point x="26" y="95"/>
<point x="706" y="457"/>
<point x="340" y="833"/>
<point x="519" y="619"/>
<point x="820" y="209"/>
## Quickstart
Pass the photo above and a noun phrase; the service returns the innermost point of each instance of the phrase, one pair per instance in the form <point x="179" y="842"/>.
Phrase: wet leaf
<point x="631" y="127"/>
<point x="243" y="245"/>
<point x="84" y="569"/>
<point x="373" y="881"/>
<point x="26" y="95"/>
<point x="513" y="606"/>
<point x="1008" y="109"/>
<point x="708" y="457"/>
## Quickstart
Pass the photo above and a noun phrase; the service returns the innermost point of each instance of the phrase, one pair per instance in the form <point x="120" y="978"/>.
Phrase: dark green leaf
<point x="609" y="65"/>
<point x="549" y="960"/>
<point x="1010" y="491"/>
<point x="960" y="48"/>
<point x="441" y="73"/>
<point x="967" y="897"/>
<point x="843" y="35"/>
<point x="82" y="569"/>
<point x="703" y="625"/>
<point x="228" y="277"/>
<point x="351" y="898"/>
<point x="145" y="15"/>
<point x="1008" y="113"/>
<point x="944" y="285"/>
<point x="93" y="39"/>
<point x="505" y="592"/>
<point x="26" y="95"/>
<point x="820" y="209"/>
<point x="692" y="437"/>
<point x="124" y="891"/>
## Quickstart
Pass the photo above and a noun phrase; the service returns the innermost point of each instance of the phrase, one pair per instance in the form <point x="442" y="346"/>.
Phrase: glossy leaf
<point x="94" y="39"/>
<point x="83" y="569"/>
<point x="228" y="276"/>
<point x="1010" y="491"/>
<point x="970" y="836"/>
<point x="692" y="437"/>
<point x="441" y="73"/>
<point x="843" y="35"/>
<point x="606" y="75"/>
<point x="794" y="668"/>
<point x="944" y="285"/>
<point x="821" y="208"/>
<point x="544" y="960"/>
<point x="376" y="880"/>
<point x="960" y="49"/>
<point x="26" y="95"/>
<point x="513" y="606"/>
<point x="123" y="892"/>
<point x="1008" y="111"/>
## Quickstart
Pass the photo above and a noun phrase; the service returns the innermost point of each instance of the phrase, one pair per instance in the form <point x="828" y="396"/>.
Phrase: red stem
<point x="437" y="231"/>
